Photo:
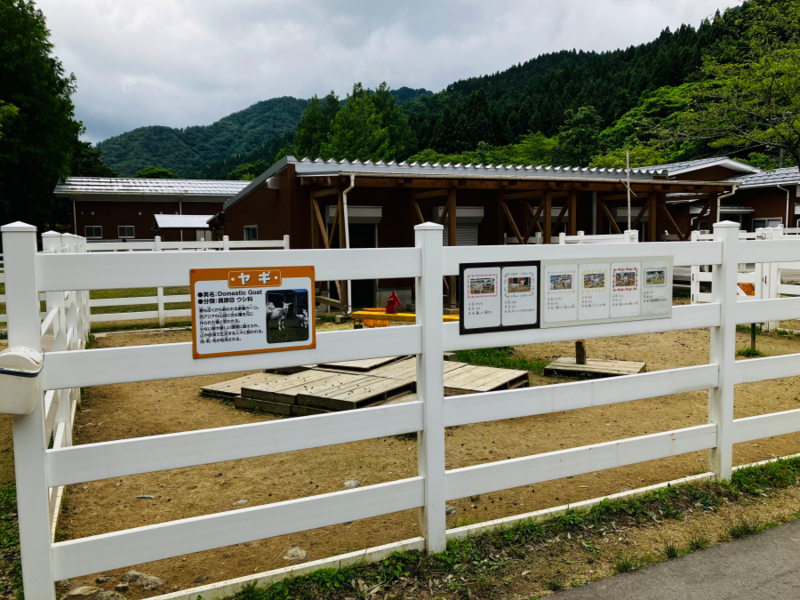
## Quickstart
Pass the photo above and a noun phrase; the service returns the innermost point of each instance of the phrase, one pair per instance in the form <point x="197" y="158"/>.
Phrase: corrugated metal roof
<point x="688" y="166"/>
<point x="787" y="175"/>
<point x="161" y="187"/>
<point x="183" y="221"/>
<point x="322" y="168"/>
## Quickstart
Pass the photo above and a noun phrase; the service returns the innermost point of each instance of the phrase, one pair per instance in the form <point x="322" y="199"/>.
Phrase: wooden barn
<point x="370" y="205"/>
<point x="125" y="209"/>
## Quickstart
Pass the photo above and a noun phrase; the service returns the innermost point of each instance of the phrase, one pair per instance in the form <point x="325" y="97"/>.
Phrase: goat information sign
<point x="248" y="311"/>
<point x="499" y="297"/>
<point x="598" y="291"/>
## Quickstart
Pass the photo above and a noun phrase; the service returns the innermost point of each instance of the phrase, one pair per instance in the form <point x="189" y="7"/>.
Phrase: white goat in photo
<point x="302" y="319"/>
<point x="278" y="314"/>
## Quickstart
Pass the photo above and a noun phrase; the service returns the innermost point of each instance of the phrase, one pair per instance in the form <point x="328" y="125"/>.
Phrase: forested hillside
<point x="190" y="150"/>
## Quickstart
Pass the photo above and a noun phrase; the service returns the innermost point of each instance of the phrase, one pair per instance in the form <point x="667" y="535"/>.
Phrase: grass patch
<point x="471" y="567"/>
<point x="743" y="528"/>
<point x="749" y="352"/>
<point x="9" y="538"/>
<point x="747" y="328"/>
<point x="502" y="358"/>
<point x="681" y="293"/>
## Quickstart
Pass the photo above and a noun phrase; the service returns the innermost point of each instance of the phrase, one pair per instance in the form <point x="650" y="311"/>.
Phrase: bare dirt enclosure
<point x="151" y="408"/>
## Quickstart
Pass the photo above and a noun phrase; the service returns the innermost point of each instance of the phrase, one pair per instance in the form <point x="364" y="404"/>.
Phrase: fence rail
<point x="69" y="367"/>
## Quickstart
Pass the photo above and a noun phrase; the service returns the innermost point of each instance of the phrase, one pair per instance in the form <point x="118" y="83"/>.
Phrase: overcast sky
<point x="191" y="62"/>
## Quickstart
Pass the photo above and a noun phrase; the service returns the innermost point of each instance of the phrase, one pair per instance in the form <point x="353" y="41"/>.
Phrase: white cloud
<point x="191" y="62"/>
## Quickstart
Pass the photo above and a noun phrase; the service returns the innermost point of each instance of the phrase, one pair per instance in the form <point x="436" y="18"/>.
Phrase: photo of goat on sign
<point x="287" y="316"/>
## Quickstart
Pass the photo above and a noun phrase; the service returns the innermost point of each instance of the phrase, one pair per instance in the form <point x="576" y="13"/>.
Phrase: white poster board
<point x="499" y="297"/>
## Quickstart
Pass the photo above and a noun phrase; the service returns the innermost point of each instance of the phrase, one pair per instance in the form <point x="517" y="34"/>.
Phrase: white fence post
<point x="286" y="245"/>
<point x="430" y="386"/>
<point x="30" y="445"/>
<point x="723" y="348"/>
<point x="226" y="245"/>
<point x="160" y="291"/>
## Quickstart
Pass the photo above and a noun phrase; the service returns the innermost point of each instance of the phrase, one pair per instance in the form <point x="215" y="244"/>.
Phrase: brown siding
<point x="717" y="173"/>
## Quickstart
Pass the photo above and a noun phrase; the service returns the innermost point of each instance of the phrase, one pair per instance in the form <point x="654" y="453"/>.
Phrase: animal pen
<point x="40" y="470"/>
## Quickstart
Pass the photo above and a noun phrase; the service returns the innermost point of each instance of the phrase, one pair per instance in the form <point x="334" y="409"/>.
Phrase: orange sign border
<point x="196" y="275"/>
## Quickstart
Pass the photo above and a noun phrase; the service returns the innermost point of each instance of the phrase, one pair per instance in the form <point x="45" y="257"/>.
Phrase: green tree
<point x="38" y="143"/>
<point x="642" y="155"/>
<point x="314" y="126"/>
<point x="578" y="137"/>
<point x="157" y="173"/>
<point x="752" y="99"/>
<point x="370" y="126"/>
<point x="88" y="162"/>
<point x="7" y="112"/>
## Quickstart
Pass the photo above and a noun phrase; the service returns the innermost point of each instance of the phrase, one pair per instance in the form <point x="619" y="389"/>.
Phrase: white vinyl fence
<point x="160" y="300"/>
<point x="767" y="279"/>
<point x="40" y="470"/>
<point x="631" y="236"/>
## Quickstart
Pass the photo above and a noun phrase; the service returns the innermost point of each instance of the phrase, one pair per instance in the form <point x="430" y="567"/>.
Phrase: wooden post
<point x="548" y="216"/>
<point x="723" y="349"/>
<point x="580" y="353"/>
<point x="452" y="296"/>
<point x="572" y="229"/>
<point x="753" y="336"/>
<point x="652" y="223"/>
<point x="598" y="215"/>
<point x="501" y="222"/>
<point x="30" y="445"/>
<point x="430" y="386"/>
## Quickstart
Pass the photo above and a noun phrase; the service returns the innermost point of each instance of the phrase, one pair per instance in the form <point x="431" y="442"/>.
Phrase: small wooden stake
<point x="752" y="336"/>
<point x="580" y="353"/>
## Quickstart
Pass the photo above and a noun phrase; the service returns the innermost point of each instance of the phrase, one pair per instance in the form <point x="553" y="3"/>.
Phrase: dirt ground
<point x="152" y="408"/>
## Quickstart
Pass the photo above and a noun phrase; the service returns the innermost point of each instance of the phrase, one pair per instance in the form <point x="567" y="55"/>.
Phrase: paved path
<point x="766" y="565"/>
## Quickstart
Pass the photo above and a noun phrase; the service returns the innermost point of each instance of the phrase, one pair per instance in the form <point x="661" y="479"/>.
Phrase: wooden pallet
<point x="471" y="379"/>
<point x="286" y="388"/>
<point x="406" y="370"/>
<point x="566" y="365"/>
<point x="278" y="408"/>
<point x="233" y="387"/>
<point x="367" y="364"/>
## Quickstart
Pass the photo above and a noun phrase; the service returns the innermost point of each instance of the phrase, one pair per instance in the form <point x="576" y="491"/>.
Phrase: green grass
<point x="135" y="326"/>
<point x="137" y="293"/>
<point x="749" y="352"/>
<point x="743" y="528"/>
<point x="9" y="537"/>
<point x="680" y="293"/>
<point x="502" y="358"/>
<point x="470" y="567"/>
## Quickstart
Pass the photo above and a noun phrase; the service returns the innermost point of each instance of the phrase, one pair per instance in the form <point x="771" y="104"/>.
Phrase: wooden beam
<point x="702" y="213"/>
<point x="529" y="195"/>
<point x="513" y="223"/>
<point x="339" y="218"/>
<point x="548" y="216"/>
<point x="321" y="224"/>
<point x="653" y="214"/>
<point x="501" y="225"/>
<point x="429" y="194"/>
<point x="534" y="220"/>
<point x="329" y="191"/>
<point x="445" y="211"/>
<point x="609" y="217"/>
<point x="332" y="302"/>
<point x="572" y="228"/>
<point x="640" y="216"/>
<point x="663" y="207"/>
<point x="417" y="211"/>
<point x="561" y="214"/>
<point x="452" y="297"/>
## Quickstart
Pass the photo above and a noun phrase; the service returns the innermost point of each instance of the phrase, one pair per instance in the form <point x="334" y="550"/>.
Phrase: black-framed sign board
<point x="499" y="296"/>
<point x="600" y="291"/>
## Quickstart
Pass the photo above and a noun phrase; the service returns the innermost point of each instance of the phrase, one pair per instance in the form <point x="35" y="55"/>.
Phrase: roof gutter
<point x="347" y="239"/>
<point x="788" y="201"/>
<point x="721" y="198"/>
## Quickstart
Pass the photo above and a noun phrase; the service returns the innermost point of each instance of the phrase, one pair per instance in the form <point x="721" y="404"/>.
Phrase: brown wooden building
<point x="492" y="204"/>
<point x="124" y="209"/>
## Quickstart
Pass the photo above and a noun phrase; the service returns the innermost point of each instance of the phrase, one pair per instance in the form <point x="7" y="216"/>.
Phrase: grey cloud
<point x="188" y="62"/>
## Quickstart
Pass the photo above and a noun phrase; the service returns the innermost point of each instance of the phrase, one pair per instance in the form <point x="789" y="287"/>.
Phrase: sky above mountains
<point x="191" y="62"/>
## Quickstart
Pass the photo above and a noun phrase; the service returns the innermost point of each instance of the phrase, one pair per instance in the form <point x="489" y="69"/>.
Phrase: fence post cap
<point x="727" y="225"/>
<point x="428" y="226"/>
<point x="17" y="226"/>
<point x="51" y="233"/>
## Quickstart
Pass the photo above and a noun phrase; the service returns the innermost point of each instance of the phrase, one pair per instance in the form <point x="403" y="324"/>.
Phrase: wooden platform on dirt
<point x="566" y="365"/>
<point x="233" y="387"/>
<point x="470" y="379"/>
<point x="368" y="364"/>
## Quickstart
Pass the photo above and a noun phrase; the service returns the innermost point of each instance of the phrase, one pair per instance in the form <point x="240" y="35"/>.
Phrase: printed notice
<point x="252" y="310"/>
<point x="482" y="300"/>
<point x="656" y="292"/>
<point x="560" y="293"/>
<point x="595" y="291"/>
<point x="625" y="289"/>
<point x="520" y="297"/>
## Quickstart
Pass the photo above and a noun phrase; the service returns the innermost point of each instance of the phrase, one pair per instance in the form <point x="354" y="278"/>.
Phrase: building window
<point x="125" y="231"/>
<point x="93" y="232"/>
<point x="759" y="223"/>
<point x="250" y="233"/>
